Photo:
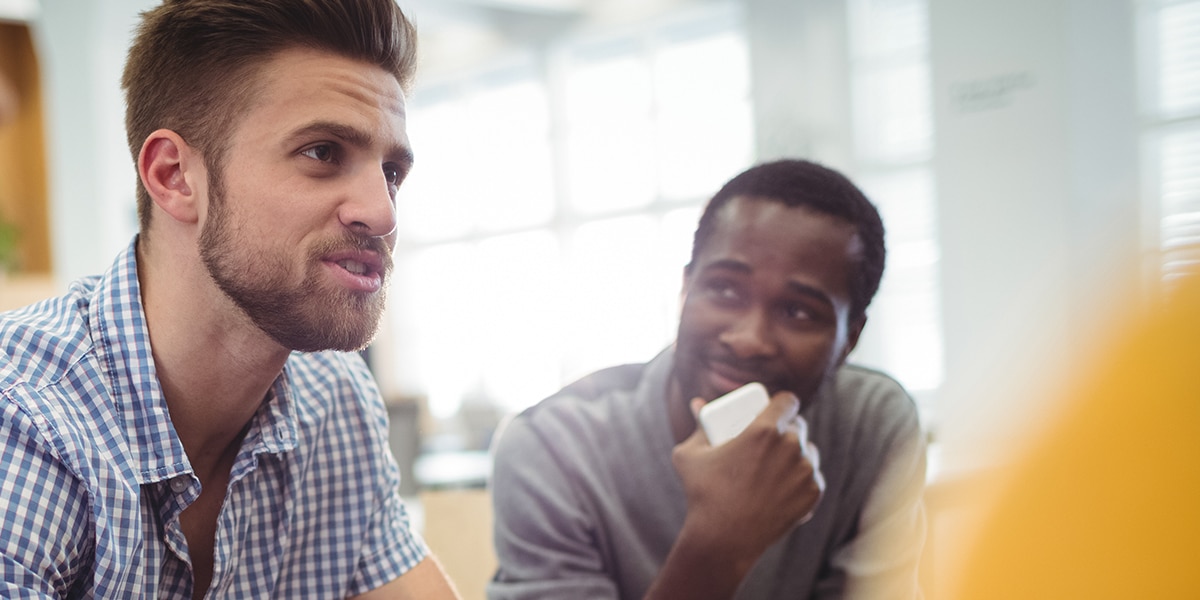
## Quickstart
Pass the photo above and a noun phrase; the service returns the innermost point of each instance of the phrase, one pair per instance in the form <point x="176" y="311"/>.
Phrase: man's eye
<point x="392" y="174"/>
<point x="321" y="152"/>
<point x="722" y="290"/>
<point x="797" y="312"/>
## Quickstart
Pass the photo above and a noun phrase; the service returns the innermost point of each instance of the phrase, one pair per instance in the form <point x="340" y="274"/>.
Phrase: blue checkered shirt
<point x="93" y="476"/>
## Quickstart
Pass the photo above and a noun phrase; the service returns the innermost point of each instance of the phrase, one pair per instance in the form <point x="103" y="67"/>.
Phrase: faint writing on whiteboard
<point x="990" y="93"/>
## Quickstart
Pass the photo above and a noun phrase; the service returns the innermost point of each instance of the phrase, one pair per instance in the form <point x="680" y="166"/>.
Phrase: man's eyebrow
<point x="796" y="287"/>
<point x="728" y="264"/>
<point x="811" y="292"/>
<point x="353" y="136"/>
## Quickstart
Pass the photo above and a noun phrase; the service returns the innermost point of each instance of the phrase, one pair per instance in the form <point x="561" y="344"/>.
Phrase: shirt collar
<point x="273" y="429"/>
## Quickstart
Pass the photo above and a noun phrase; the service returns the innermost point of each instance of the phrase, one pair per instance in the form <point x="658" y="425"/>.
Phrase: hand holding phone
<point x="727" y="416"/>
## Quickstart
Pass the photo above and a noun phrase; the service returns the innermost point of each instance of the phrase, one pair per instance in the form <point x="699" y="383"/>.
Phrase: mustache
<point x="741" y="368"/>
<point x="752" y="369"/>
<point x="351" y="241"/>
<point x="734" y="363"/>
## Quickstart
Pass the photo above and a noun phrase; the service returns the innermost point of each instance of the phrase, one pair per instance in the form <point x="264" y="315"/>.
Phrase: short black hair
<point x="796" y="183"/>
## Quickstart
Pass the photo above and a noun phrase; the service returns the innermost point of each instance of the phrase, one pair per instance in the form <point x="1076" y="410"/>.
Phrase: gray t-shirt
<point x="588" y="504"/>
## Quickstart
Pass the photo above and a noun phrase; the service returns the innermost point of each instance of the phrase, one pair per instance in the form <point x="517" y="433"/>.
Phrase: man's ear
<point x="167" y="166"/>
<point x="853" y="330"/>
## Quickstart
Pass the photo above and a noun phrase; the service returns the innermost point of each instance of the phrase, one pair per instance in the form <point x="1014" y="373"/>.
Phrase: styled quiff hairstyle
<point x="797" y="183"/>
<point x="193" y="64"/>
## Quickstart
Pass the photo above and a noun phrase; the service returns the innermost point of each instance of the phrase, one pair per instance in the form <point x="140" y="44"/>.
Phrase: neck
<point x="215" y="367"/>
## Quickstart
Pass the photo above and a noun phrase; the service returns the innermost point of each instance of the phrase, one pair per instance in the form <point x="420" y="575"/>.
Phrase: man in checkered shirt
<point x="189" y="424"/>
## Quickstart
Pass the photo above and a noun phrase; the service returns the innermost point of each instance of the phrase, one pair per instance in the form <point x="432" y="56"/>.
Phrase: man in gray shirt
<point x="608" y="489"/>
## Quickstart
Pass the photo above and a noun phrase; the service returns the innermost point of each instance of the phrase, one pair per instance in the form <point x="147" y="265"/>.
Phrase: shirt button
<point x="179" y="484"/>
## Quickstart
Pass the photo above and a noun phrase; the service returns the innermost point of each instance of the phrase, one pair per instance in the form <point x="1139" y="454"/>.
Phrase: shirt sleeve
<point x="545" y="538"/>
<point x="881" y="560"/>
<point x="393" y="546"/>
<point x="43" y="513"/>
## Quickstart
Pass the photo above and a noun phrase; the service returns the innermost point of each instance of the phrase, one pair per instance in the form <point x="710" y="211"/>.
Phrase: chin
<point x="326" y="333"/>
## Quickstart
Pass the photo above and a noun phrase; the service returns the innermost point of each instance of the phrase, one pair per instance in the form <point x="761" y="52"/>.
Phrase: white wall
<point x="92" y="211"/>
<point x="1037" y="171"/>
<point x="1037" y="174"/>
<point x="801" y="89"/>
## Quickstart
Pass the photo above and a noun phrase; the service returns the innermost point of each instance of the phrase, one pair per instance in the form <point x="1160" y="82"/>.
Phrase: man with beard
<point x="188" y="424"/>
<point x="608" y="489"/>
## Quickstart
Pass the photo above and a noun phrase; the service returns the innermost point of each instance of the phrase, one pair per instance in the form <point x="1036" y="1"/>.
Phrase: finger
<point x="813" y="454"/>
<point x="779" y="413"/>
<point x="814" y="458"/>
<point x="792" y="428"/>
<point x="810" y="450"/>
<point x="818" y="476"/>
<point x="801" y="430"/>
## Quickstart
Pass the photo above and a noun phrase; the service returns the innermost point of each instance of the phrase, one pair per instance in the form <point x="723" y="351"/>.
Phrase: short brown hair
<point x="192" y="65"/>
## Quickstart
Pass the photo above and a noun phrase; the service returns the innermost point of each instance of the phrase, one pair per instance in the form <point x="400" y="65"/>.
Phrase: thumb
<point x="782" y="410"/>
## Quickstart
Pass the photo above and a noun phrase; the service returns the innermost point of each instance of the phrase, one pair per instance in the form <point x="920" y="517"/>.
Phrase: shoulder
<point x="865" y="408"/>
<point x="604" y="382"/>
<point x="872" y="446"/>
<point x="56" y="383"/>
<point x="39" y="342"/>
<point x="50" y="372"/>
<point x="865" y="381"/>
<point x="869" y="391"/>
<point x="575" y="417"/>
<point x="590" y="398"/>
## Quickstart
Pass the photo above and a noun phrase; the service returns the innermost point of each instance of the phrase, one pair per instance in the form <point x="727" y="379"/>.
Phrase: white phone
<point x="725" y="417"/>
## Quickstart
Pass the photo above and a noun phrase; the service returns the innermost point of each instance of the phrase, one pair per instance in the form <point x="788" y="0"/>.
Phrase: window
<point x="893" y="146"/>
<point x="545" y="227"/>
<point x="1170" y="88"/>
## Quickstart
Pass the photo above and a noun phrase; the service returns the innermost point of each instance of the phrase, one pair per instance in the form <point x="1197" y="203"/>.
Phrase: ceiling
<point x="459" y="33"/>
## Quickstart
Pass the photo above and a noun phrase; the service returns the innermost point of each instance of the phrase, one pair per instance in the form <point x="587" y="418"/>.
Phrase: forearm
<point x="699" y="568"/>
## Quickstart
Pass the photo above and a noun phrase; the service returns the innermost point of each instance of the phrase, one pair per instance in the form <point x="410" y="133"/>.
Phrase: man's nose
<point x="750" y="334"/>
<point x="369" y="208"/>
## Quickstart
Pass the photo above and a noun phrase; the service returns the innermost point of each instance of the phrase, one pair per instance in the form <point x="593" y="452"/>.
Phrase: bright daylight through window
<point x="545" y="231"/>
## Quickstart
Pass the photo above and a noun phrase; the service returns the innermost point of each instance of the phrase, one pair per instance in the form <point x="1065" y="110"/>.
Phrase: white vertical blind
<point x="1178" y="25"/>
<point x="893" y="148"/>
<point x="1179" y="176"/>
<point x="1171" y="108"/>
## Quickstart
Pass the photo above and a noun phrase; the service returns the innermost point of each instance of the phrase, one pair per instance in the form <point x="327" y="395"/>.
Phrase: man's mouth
<point x="354" y="266"/>
<point x="725" y="377"/>
<point x="360" y="270"/>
